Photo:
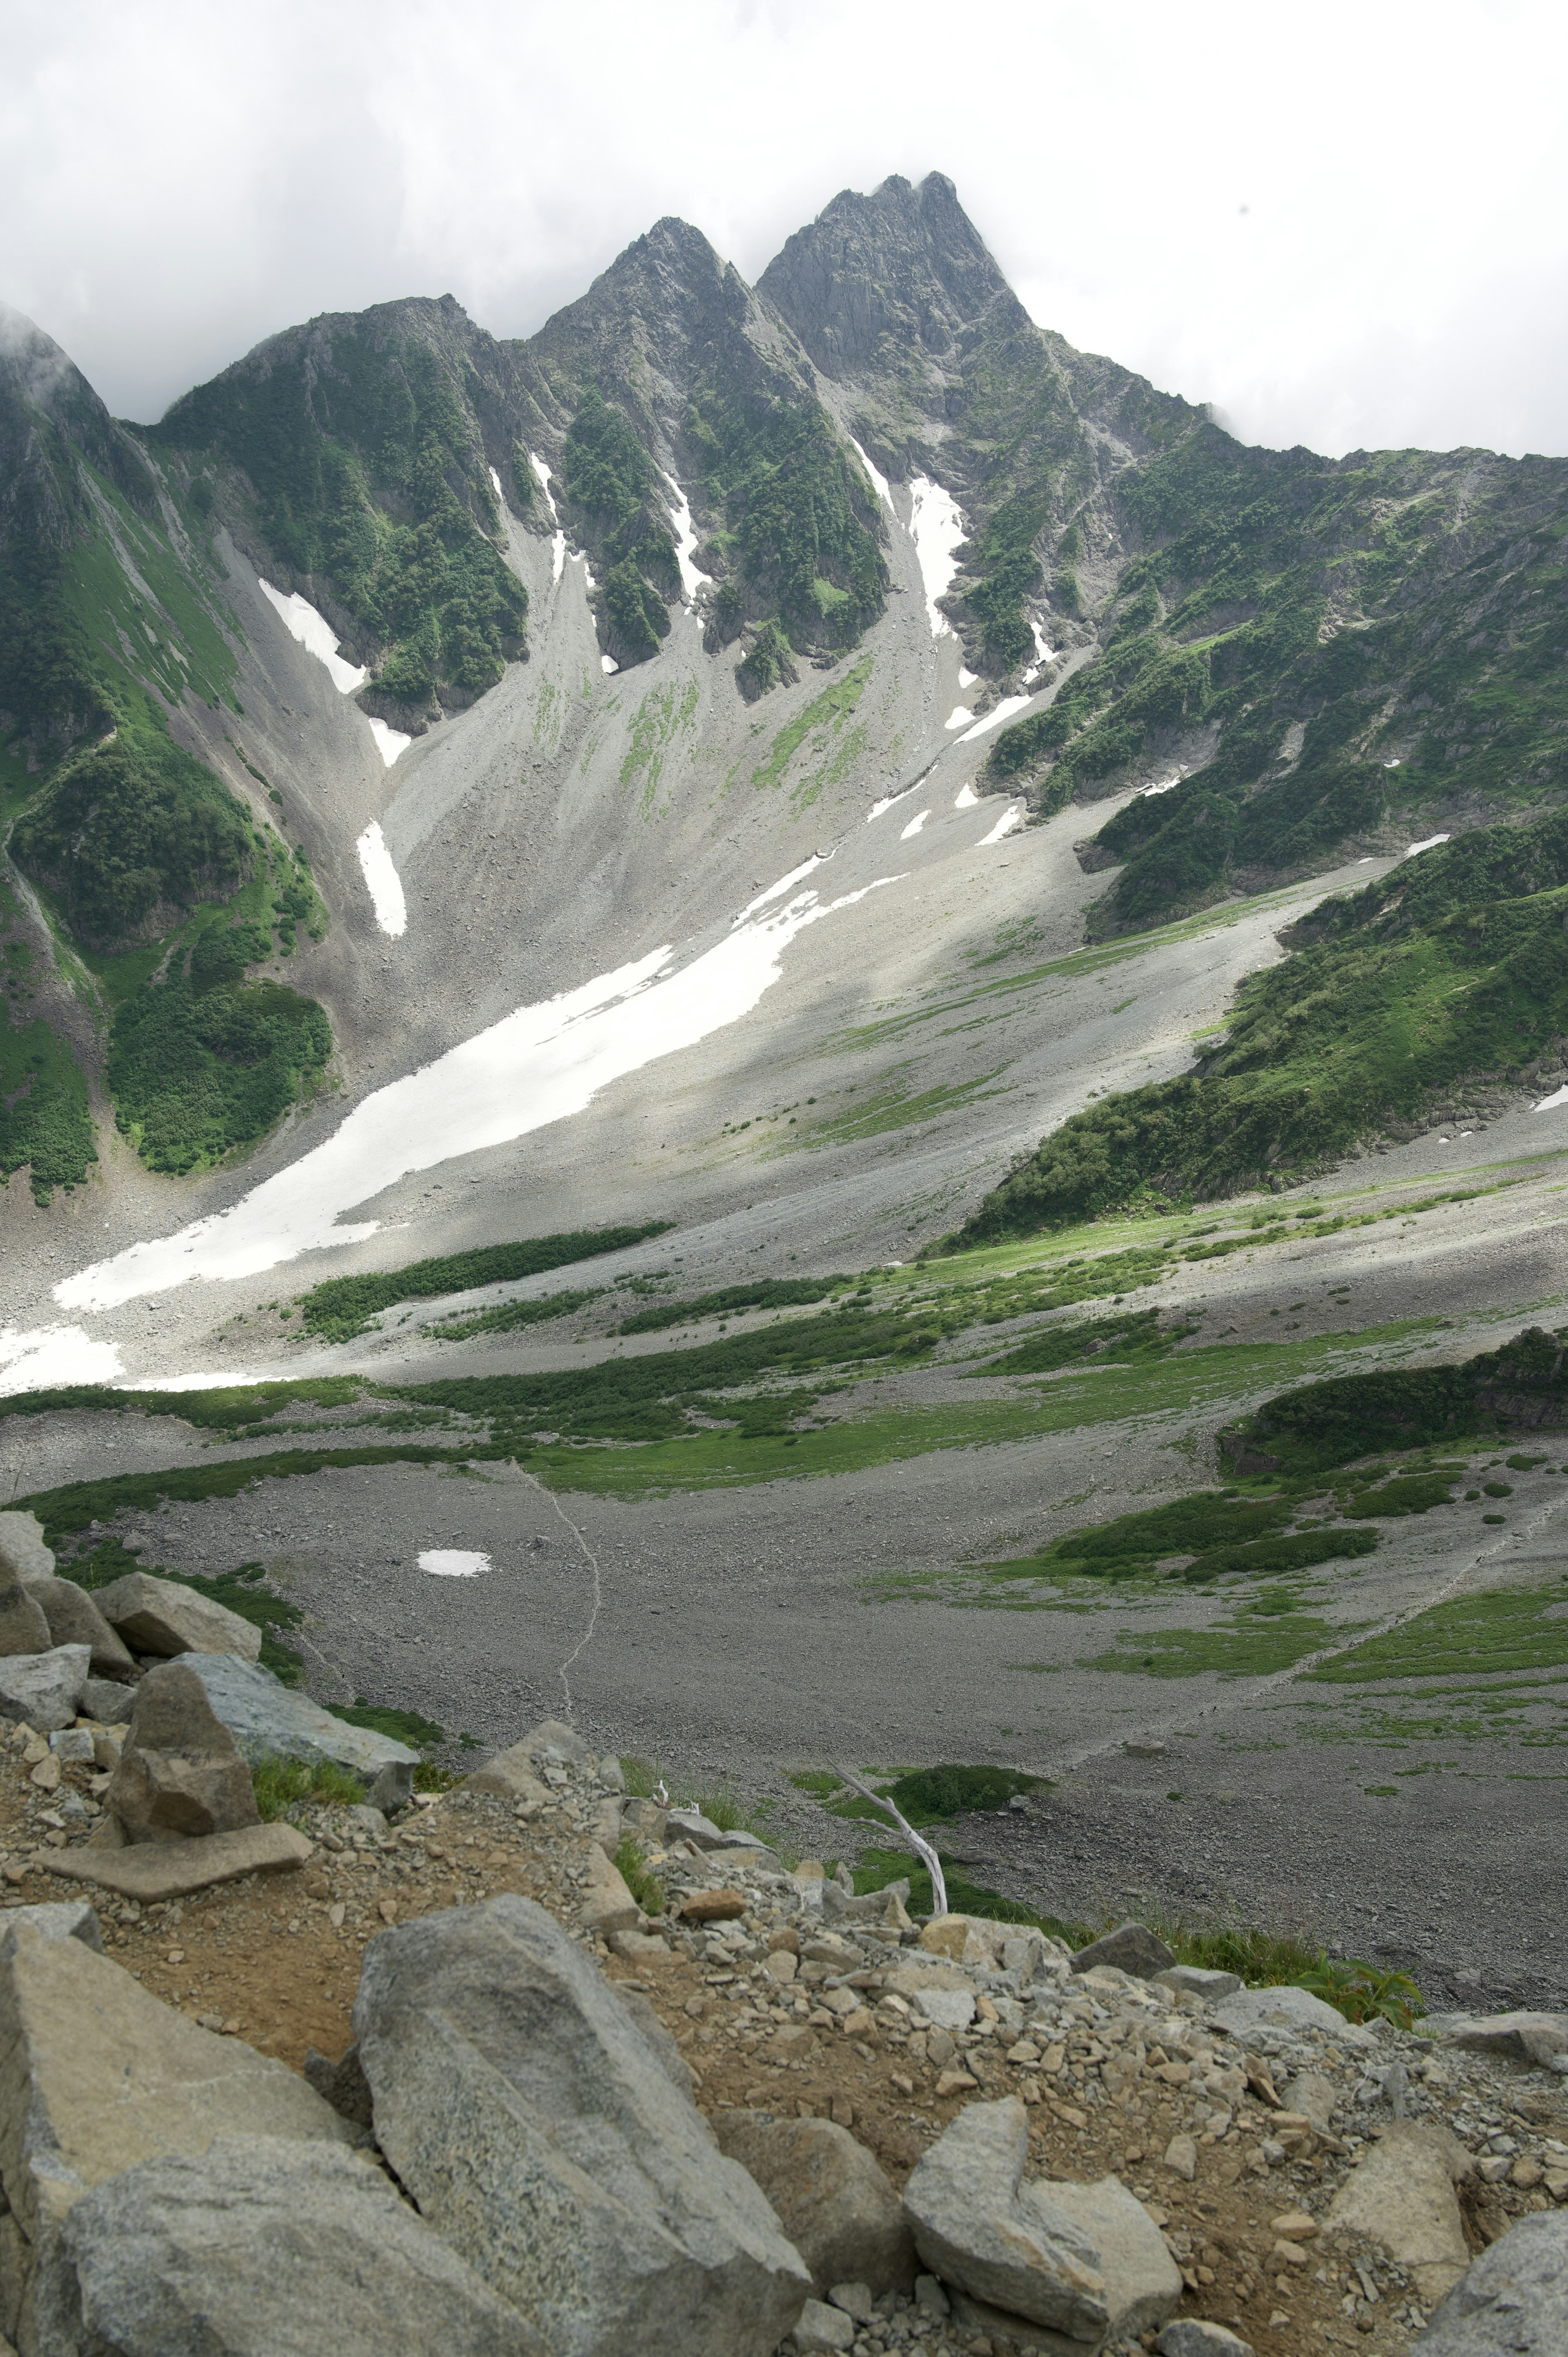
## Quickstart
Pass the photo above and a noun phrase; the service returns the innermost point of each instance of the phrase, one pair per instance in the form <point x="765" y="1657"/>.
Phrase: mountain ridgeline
<point x="1307" y="657"/>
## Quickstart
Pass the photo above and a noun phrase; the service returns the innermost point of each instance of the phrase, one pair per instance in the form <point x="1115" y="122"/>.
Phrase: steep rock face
<point x="367" y="441"/>
<point x="893" y="289"/>
<point x="708" y="400"/>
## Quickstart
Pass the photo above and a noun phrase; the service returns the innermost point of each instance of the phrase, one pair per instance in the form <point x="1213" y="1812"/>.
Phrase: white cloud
<point x="183" y="180"/>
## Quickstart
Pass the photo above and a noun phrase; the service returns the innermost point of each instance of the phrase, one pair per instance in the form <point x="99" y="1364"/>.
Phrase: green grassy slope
<point x="1449" y="975"/>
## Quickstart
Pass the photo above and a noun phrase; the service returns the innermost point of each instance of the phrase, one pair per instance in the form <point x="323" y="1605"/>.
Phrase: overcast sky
<point x="1343" y="224"/>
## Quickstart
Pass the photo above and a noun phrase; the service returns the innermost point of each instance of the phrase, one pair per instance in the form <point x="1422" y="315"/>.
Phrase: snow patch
<point x="390" y="742"/>
<point x="1166" y="786"/>
<point x="1431" y="844"/>
<point x="540" y="1064"/>
<point x="454" y="1563"/>
<point x="317" y="636"/>
<point x="915" y="826"/>
<point x="967" y="797"/>
<point x="1004" y="825"/>
<point x="967" y="678"/>
<point x="937" y="530"/>
<point x="497" y="481"/>
<point x="608" y="664"/>
<point x="959" y="717"/>
<point x="1550" y="1103"/>
<point x="542" y="477"/>
<point x="685" y="541"/>
<point x="1005" y="711"/>
<point x="383" y="881"/>
<point x="796" y="876"/>
<point x="49" y="1355"/>
<point x="880" y="481"/>
<point x="557" y="553"/>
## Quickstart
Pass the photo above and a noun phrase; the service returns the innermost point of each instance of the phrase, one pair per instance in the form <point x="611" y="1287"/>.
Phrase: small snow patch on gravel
<point x="383" y="881"/>
<point x="316" y="635"/>
<point x="454" y="1563"/>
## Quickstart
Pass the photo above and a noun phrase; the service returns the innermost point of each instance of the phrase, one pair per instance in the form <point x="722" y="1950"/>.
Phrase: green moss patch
<point x="343" y="1307"/>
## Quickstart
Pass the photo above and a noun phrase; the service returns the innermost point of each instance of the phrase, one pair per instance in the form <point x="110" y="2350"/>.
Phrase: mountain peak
<point x="904" y="264"/>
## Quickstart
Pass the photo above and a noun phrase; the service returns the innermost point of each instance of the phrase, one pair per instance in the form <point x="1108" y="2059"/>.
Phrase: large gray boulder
<point x="1514" y="2297"/>
<point x="267" y="2248"/>
<point x="95" y="2077"/>
<point x="1520" y="2037"/>
<point x="540" y="2135"/>
<point x="833" y="2197"/>
<point x="979" y="2225"/>
<point x="1143" y="2282"/>
<point x="72" y="1618"/>
<point x="164" y="1616"/>
<point x="43" y="1689"/>
<point x="24" y="1628"/>
<point x="23" y="1552"/>
<point x="179" y="1774"/>
<point x="1284" y="2007"/>
<point x="266" y="1720"/>
<point x="57" y="1919"/>
<point x="1132" y="1948"/>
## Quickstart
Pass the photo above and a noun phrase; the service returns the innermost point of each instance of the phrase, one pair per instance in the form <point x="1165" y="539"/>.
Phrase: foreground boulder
<point x="173" y="1870"/>
<point x="1401" y="2196"/>
<point x="95" y="2077"/>
<point x="263" y="2246"/>
<point x="162" y="1616"/>
<point x="541" y="2138"/>
<point x="1514" y="2297"/>
<point x="180" y="1774"/>
<point x="833" y="2197"/>
<point x="72" y="1618"/>
<point x="977" y="2225"/>
<point x="44" y="1688"/>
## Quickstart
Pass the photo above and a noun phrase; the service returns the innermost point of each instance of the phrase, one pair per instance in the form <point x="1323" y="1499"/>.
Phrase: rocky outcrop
<point x="71" y="1617"/>
<point x="268" y="1720"/>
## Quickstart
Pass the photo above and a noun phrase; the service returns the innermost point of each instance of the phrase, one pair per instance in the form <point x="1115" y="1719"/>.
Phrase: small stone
<point x="1192" y="1978"/>
<point x="930" y="2297"/>
<point x="854" y="2298"/>
<point x="1294" y="2226"/>
<point x="47" y="1774"/>
<point x="820" y="2328"/>
<point x="1181" y="2157"/>
<point x="1292" y="2254"/>
<point x="74" y="1745"/>
<point x="781" y="1965"/>
<point x="721" y="1906"/>
<point x="841" y="2111"/>
<point x="955" y="2083"/>
<point x="1525" y="2172"/>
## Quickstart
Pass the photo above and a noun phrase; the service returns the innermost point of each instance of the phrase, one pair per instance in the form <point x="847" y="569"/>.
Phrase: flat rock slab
<point x="170" y="1869"/>
<point x="1143" y="2282"/>
<point x="1402" y="2195"/>
<point x="163" y="1616"/>
<point x="1197" y="1981"/>
<point x="1514" y="2297"/>
<point x="542" y="2137"/>
<point x="266" y="1719"/>
<point x="44" y="1688"/>
<point x="977" y="2225"/>
<point x="263" y="2246"/>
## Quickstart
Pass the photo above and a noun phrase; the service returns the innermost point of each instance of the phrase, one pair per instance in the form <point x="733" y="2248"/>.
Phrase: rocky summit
<point x="827" y="1615"/>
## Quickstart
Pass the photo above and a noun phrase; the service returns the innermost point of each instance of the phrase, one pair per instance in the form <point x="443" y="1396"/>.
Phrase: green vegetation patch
<point x="77" y="1504"/>
<point x="765" y="1293"/>
<point x="198" y="1073"/>
<point x="1142" y="1335"/>
<point x="282" y="1787"/>
<point x="45" y="1123"/>
<point x="509" y="1316"/>
<point x="1254" y="1642"/>
<point x="1348" y="1417"/>
<point x="1483" y="1635"/>
<point x="410" y="1726"/>
<point x="342" y="1306"/>
<point x="1379" y="1017"/>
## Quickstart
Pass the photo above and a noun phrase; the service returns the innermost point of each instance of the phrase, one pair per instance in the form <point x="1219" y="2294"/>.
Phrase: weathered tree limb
<point x="921" y="1847"/>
